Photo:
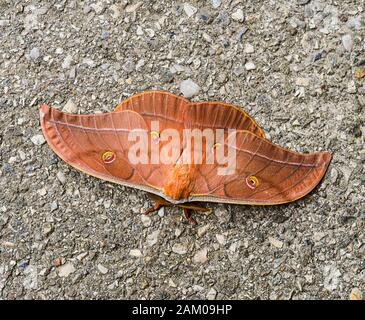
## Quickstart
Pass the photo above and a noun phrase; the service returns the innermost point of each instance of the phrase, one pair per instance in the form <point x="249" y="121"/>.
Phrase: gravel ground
<point x="298" y="67"/>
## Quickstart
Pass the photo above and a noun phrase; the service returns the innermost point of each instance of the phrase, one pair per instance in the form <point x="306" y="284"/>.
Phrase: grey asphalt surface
<point x="296" y="66"/>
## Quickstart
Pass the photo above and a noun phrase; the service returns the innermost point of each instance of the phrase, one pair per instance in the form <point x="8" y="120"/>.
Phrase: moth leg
<point x="155" y="208"/>
<point x="188" y="216"/>
<point x="196" y="208"/>
<point x="159" y="203"/>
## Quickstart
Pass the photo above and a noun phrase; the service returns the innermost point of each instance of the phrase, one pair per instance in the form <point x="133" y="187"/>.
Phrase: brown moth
<point x="124" y="146"/>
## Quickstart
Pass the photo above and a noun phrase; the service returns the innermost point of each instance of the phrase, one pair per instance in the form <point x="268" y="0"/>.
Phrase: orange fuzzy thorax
<point x="180" y="182"/>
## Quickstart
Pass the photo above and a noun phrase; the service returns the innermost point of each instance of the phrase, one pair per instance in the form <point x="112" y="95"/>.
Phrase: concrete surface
<point x="296" y="66"/>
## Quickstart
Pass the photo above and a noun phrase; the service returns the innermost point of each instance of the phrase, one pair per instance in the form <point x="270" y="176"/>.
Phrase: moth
<point x="183" y="152"/>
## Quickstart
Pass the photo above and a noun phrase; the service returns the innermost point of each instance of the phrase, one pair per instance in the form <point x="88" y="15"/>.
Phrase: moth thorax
<point x="180" y="182"/>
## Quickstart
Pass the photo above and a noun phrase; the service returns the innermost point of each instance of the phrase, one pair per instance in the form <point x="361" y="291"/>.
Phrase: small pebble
<point x="34" y="54"/>
<point x="212" y="294"/>
<point x="54" y="206"/>
<point x="250" y="66"/>
<point x="172" y="283"/>
<point x="67" y="62"/>
<point x="275" y="242"/>
<point x="302" y="82"/>
<point x="216" y="3"/>
<point x="203" y="230"/>
<point x="42" y="192"/>
<point x="347" y="42"/>
<point x="61" y="177"/>
<point x="334" y="175"/>
<point x="65" y="270"/>
<point x="179" y="248"/>
<point x="153" y="238"/>
<point x="351" y="87"/>
<point x="221" y="238"/>
<point x="107" y="203"/>
<point x="139" y="31"/>
<point x="102" y="269"/>
<point x="201" y="256"/>
<point x="161" y="212"/>
<point x="38" y="139"/>
<point x="189" y="88"/>
<point x="135" y="253"/>
<point x="189" y="9"/>
<point x="249" y="48"/>
<point x="146" y="220"/>
<point x="177" y="232"/>
<point x="238" y="15"/>
<point x="70" y="107"/>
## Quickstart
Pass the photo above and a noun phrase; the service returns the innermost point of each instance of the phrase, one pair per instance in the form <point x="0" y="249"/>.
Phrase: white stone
<point x="102" y="269"/>
<point x="177" y="232"/>
<point x="172" y="283"/>
<point x="34" y="54"/>
<point x="331" y="277"/>
<point x="221" y="238"/>
<point x="275" y="242"/>
<point x="22" y="155"/>
<point x="135" y="253"/>
<point x="249" y="48"/>
<point x="318" y="236"/>
<point x="203" y="230"/>
<point x="42" y="192"/>
<point x="133" y="7"/>
<point x="38" y="139"/>
<point x="153" y="238"/>
<point x="189" y="88"/>
<point x="238" y="15"/>
<point x="98" y="7"/>
<point x="146" y="220"/>
<point x="67" y="62"/>
<point x="179" y="248"/>
<point x="189" y="9"/>
<point x="216" y="3"/>
<point x="347" y="42"/>
<point x="303" y="82"/>
<point x="177" y="68"/>
<point x="115" y="13"/>
<point x="70" y="107"/>
<point x="351" y="87"/>
<point x="250" y="66"/>
<point x="139" y="31"/>
<point x="13" y="160"/>
<point x="161" y="212"/>
<point x="107" y="203"/>
<point x="65" y="270"/>
<point x="201" y="256"/>
<point x="61" y="177"/>
<point x="212" y="294"/>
